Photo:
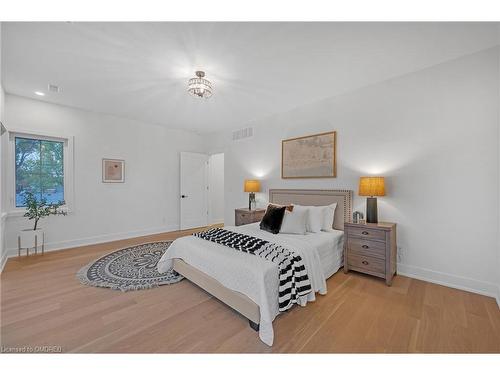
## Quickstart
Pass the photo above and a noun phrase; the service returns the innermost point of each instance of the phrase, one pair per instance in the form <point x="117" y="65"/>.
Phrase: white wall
<point x="2" y="216"/>
<point x="147" y="202"/>
<point x="498" y="149"/>
<point x="216" y="188"/>
<point x="433" y="134"/>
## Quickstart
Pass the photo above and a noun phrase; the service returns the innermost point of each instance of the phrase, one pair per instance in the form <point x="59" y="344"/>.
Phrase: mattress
<point x="330" y="246"/>
<point x="255" y="277"/>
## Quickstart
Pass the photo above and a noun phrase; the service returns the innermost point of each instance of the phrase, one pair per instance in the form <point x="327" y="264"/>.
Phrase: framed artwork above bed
<point x="311" y="156"/>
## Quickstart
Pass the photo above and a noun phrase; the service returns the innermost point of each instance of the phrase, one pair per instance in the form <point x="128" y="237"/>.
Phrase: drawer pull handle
<point x="365" y="246"/>
<point x="364" y="262"/>
<point x="365" y="232"/>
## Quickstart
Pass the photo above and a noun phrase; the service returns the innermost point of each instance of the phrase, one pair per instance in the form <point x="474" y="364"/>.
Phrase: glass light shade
<point x="371" y="186"/>
<point x="252" y="186"/>
<point x="199" y="86"/>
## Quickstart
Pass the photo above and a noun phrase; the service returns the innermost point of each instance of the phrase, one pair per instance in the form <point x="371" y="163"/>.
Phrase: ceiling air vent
<point x="54" y="88"/>
<point x="242" y="133"/>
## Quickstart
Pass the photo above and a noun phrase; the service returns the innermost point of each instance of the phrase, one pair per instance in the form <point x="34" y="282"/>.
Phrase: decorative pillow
<point x="314" y="221"/>
<point x="288" y="207"/>
<point x="328" y="215"/>
<point x="273" y="218"/>
<point x="316" y="218"/>
<point x="294" y="222"/>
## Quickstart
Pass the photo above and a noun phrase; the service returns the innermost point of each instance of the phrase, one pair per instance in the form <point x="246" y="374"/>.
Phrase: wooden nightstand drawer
<point x="368" y="233"/>
<point x="371" y="248"/>
<point x="360" y="246"/>
<point x="365" y="263"/>
<point x="243" y="216"/>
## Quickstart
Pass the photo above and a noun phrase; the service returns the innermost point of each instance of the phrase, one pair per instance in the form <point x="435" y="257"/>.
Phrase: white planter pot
<point x="27" y="238"/>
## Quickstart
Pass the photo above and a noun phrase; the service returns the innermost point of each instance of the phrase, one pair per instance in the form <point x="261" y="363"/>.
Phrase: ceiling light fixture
<point x="199" y="86"/>
<point x="39" y="93"/>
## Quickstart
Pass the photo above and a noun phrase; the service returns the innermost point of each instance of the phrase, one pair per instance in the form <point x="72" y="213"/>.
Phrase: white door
<point x="194" y="190"/>
<point x="216" y="189"/>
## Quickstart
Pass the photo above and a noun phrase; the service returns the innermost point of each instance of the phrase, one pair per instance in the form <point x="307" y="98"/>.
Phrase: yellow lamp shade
<point x="252" y="186"/>
<point x="371" y="186"/>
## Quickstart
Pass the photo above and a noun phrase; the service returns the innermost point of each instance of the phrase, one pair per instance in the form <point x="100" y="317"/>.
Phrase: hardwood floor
<point x="42" y="303"/>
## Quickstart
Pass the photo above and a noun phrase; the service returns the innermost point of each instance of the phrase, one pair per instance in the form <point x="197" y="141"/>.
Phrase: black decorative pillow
<point x="271" y="222"/>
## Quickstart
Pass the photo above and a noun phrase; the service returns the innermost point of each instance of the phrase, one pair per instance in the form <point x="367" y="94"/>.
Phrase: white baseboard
<point x="3" y="260"/>
<point x="441" y="278"/>
<point x="458" y="282"/>
<point x="3" y="252"/>
<point x="498" y="296"/>
<point x="216" y="221"/>
<point x="62" y="245"/>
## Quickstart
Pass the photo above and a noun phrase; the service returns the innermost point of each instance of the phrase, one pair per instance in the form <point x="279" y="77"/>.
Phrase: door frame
<point x="211" y="190"/>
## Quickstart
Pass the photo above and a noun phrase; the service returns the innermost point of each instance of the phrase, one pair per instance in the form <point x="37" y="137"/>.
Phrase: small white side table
<point x="27" y="248"/>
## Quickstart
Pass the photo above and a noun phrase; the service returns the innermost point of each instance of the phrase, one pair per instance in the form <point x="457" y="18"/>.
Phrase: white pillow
<point x="328" y="215"/>
<point x="314" y="221"/>
<point x="294" y="222"/>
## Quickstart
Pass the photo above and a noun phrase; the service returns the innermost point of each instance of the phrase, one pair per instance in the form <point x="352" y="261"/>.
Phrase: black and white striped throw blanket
<point x="293" y="279"/>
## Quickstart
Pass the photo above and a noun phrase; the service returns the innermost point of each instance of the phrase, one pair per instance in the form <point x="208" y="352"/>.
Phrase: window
<point x="41" y="165"/>
<point x="39" y="169"/>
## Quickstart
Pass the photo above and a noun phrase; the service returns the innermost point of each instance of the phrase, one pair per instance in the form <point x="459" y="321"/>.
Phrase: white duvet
<point x="253" y="276"/>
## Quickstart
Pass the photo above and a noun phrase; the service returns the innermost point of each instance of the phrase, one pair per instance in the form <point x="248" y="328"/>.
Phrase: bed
<point x="249" y="284"/>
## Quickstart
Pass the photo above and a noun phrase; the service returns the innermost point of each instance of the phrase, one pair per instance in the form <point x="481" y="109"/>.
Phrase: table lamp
<point x="251" y="187"/>
<point x="371" y="187"/>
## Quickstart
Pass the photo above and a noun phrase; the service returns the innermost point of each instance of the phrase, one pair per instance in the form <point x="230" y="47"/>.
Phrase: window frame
<point x="68" y="166"/>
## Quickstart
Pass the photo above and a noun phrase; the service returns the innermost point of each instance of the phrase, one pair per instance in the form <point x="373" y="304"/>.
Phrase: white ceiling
<point x="140" y="70"/>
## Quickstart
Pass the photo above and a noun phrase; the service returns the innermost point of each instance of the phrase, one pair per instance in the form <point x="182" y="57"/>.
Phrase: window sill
<point x="21" y="212"/>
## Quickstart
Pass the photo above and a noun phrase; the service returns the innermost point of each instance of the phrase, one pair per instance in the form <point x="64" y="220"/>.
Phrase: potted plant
<point x="35" y="210"/>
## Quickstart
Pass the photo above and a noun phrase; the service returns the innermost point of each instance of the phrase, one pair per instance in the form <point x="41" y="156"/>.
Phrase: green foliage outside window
<point x="39" y="170"/>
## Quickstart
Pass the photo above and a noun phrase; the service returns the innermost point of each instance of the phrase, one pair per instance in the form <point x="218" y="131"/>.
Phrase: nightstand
<point x="244" y="216"/>
<point x="371" y="249"/>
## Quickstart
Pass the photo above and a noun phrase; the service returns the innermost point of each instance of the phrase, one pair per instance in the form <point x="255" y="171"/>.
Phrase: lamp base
<point x="371" y="210"/>
<point x="251" y="198"/>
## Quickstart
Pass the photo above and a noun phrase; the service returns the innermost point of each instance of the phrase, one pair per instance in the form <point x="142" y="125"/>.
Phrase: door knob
<point x="184" y="196"/>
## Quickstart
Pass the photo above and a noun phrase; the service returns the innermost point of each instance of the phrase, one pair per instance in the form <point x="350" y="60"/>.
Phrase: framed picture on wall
<point x="311" y="156"/>
<point x="113" y="170"/>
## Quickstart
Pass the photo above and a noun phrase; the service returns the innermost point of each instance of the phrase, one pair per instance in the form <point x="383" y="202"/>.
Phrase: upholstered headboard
<point x="343" y="198"/>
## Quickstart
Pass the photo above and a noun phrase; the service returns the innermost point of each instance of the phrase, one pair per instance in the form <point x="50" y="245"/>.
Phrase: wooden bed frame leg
<point x="253" y="325"/>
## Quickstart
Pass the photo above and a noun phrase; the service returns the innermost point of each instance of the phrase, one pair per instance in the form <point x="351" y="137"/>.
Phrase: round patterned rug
<point x="131" y="268"/>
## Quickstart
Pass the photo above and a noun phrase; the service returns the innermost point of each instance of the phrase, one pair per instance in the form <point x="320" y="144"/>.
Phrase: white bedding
<point x="255" y="277"/>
